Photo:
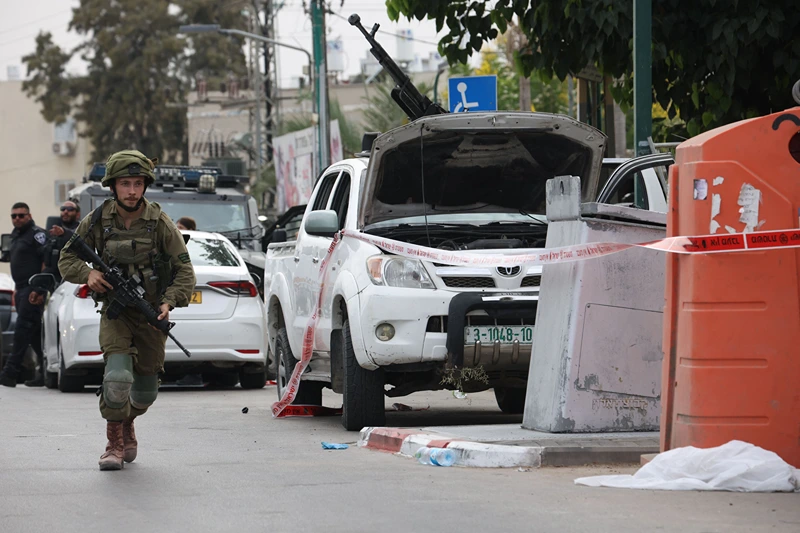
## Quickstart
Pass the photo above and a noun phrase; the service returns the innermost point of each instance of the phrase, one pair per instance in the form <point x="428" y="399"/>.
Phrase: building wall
<point x="220" y="118"/>
<point x="29" y="169"/>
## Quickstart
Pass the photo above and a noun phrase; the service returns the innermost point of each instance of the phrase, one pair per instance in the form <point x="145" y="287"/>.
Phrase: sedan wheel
<point x="67" y="383"/>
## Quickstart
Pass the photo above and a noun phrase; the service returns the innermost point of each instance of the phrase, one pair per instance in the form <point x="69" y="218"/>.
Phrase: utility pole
<point x="642" y="75"/>
<point x="271" y="8"/>
<point x="321" y="83"/>
<point x="257" y="84"/>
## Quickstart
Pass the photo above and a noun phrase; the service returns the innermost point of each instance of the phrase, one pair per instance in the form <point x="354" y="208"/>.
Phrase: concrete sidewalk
<point x="511" y="446"/>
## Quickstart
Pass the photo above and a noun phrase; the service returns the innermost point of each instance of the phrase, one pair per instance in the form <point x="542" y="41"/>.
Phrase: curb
<point x="468" y="453"/>
<point x="406" y="442"/>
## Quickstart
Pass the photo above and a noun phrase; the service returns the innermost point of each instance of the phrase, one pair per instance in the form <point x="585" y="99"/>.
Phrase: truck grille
<point x="474" y="282"/>
<point x="438" y="324"/>
<point x="531" y="281"/>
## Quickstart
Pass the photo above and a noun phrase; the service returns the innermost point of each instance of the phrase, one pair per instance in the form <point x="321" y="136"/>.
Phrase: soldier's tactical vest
<point x="136" y="252"/>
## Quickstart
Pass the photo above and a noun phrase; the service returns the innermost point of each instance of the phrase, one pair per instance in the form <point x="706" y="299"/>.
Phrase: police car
<point x="217" y="202"/>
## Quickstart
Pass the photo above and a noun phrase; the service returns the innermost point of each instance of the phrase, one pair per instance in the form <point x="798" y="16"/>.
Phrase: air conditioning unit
<point x="63" y="148"/>
<point x="65" y="138"/>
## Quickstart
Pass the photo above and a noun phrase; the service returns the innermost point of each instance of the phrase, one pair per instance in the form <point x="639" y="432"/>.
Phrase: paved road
<point x="205" y="466"/>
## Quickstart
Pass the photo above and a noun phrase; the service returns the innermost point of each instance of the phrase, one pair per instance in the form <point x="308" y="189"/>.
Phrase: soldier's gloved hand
<point x="97" y="282"/>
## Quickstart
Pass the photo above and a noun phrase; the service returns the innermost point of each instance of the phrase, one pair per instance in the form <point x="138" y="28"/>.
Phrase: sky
<point x="21" y="21"/>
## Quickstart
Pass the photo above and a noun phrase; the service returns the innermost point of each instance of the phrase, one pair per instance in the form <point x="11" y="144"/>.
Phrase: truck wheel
<point x="272" y="364"/>
<point x="363" y="401"/>
<point x="67" y="383"/>
<point x="308" y="392"/>
<point x="510" y="401"/>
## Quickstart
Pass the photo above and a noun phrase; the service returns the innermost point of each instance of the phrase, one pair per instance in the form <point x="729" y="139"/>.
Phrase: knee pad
<point x="118" y="380"/>
<point x="144" y="391"/>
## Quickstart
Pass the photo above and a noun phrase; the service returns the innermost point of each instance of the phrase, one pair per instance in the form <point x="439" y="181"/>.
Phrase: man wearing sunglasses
<point x="59" y="235"/>
<point x="27" y="258"/>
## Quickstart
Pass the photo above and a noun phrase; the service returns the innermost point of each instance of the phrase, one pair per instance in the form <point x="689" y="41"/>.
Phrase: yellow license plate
<point x="197" y="298"/>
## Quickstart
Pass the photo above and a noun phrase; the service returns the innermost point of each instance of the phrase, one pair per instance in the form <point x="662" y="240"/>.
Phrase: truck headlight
<point x="398" y="272"/>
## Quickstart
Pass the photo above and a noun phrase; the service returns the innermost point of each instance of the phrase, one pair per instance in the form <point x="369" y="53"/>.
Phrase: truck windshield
<point x="212" y="217"/>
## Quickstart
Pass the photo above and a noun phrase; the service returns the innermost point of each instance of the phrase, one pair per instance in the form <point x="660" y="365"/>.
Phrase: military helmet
<point x="129" y="163"/>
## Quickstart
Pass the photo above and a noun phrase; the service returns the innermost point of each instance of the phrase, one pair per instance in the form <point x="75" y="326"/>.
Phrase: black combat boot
<point x="36" y="382"/>
<point x="7" y="381"/>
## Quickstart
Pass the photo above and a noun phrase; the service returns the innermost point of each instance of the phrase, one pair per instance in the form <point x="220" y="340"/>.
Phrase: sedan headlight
<point x="398" y="272"/>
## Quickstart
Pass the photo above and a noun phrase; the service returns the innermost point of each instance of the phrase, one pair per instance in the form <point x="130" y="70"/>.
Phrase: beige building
<point x="224" y="119"/>
<point x="39" y="162"/>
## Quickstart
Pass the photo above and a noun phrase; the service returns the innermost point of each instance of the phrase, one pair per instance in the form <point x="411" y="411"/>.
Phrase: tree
<point x="382" y="113"/>
<point x="547" y="95"/>
<point x="139" y="68"/>
<point x="351" y="143"/>
<point x="714" y="62"/>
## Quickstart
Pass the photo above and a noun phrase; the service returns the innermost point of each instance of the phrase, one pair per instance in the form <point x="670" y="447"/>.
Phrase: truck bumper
<point x="429" y="326"/>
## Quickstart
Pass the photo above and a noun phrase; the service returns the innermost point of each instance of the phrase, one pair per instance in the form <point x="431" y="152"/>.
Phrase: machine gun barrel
<point x="124" y="292"/>
<point x="405" y="93"/>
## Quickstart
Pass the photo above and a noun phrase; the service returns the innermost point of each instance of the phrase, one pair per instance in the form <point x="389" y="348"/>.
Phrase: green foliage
<point x="547" y="95"/>
<point x="138" y="69"/>
<point x="351" y="143"/>
<point x="714" y="62"/>
<point x="382" y="113"/>
<point x="351" y="132"/>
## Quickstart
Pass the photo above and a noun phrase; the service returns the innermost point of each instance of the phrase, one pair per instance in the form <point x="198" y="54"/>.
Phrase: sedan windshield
<point x="208" y="252"/>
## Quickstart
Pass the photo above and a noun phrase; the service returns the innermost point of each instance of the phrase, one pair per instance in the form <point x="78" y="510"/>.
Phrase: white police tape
<point x="705" y="244"/>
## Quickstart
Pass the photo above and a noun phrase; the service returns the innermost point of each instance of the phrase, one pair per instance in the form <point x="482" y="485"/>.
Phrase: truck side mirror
<point x="279" y="235"/>
<point x="322" y="223"/>
<point x="5" y="248"/>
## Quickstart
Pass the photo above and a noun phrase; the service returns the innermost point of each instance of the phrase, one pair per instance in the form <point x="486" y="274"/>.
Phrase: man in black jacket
<point x="59" y="235"/>
<point x="27" y="258"/>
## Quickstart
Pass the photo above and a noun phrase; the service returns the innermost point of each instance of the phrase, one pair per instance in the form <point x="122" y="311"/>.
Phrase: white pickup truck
<point x="390" y="325"/>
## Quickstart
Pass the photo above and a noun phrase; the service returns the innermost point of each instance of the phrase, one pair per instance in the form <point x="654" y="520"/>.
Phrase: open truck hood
<point x="477" y="163"/>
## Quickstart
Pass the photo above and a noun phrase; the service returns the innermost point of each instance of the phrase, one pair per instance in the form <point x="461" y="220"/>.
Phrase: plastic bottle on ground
<point x="435" y="456"/>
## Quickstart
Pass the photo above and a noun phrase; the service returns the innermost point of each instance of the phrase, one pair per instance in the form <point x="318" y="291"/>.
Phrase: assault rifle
<point x="127" y="291"/>
<point x="407" y="96"/>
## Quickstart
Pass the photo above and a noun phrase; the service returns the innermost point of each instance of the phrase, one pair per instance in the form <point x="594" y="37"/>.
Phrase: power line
<point x="390" y="33"/>
<point x="31" y="23"/>
<point x="34" y="34"/>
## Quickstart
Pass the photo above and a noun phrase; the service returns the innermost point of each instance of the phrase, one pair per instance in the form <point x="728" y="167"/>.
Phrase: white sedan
<point x="223" y="326"/>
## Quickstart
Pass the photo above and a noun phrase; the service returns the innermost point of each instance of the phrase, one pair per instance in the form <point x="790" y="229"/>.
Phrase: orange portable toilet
<point x="732" y="320"/>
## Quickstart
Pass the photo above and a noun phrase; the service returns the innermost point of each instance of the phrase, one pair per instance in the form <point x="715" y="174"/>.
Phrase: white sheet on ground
<point x="736" y="466"/>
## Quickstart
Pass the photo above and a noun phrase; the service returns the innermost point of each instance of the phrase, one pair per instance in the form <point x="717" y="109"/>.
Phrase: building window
<point x="62" y="190"/>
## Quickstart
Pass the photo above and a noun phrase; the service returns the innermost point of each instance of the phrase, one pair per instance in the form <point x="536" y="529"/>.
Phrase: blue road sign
<point x="473" y="93"/>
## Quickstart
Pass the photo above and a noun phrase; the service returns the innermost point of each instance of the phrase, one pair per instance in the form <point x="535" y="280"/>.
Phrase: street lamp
<point x="215" y="28"/>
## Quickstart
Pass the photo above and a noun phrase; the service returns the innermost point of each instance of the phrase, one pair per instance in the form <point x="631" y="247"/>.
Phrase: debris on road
<point x="333" y="446"/>
<point x="404" y="407"/>
<point x="245" y="410"/>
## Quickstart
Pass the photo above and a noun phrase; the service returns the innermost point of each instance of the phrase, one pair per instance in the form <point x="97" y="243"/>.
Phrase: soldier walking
<point x="138" y="237"/>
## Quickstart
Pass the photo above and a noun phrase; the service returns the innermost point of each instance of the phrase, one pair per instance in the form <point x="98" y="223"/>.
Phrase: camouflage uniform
<point x="154" y="249"/>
